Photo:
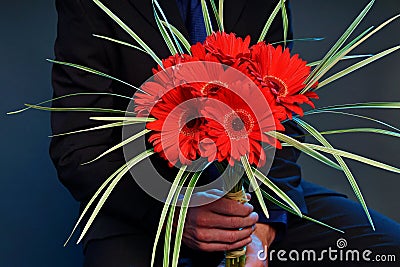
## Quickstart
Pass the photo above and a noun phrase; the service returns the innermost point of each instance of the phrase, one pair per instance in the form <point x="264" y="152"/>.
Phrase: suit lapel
<point x="170" y="9"/>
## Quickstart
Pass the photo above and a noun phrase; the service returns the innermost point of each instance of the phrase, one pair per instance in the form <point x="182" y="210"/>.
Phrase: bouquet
<point x="225" y="103"/>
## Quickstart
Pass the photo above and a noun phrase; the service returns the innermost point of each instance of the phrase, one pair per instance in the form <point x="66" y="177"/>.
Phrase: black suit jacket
<point x="77" y="21"/>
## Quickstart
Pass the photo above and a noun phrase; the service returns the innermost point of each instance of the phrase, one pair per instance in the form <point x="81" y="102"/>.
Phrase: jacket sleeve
<point x="75" y="44"/>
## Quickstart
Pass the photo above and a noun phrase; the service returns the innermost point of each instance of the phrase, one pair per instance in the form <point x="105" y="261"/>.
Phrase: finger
<point x="216" y="192"/>
<point x="248" y="196"/>
<point x="213" y="220"/>
<point x="231" y="207"/>
<point x="222" y="235"/>
<point x="209" y="247"/>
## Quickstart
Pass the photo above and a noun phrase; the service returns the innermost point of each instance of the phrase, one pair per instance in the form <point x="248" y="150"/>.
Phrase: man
<point x="123" y="232"/>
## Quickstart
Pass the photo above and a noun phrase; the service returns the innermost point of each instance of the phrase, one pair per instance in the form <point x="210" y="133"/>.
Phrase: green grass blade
<point x="129" y="31"/>
<point x="164" y="211"/>
<point x="314" y="63"/>
<point x="330" y="63"/>
<point x="310" y="39"/>
<point x="65" y="96"/>
<point x="182" y="217"/>
<point x="170" y="220"/>
<point x="78" y="109"/>
<point x="288" y="209"/>
<point x="362" y="130"/>
<point x="119" y="145"/>
<point x="364" y="37"/>
<point x="180" y="36"/>
<point x="101" y="127"/>
<point x="126" y="119"/>
<point x="221" y="12"/>
<point x="169" y="28"/>
<point x="285" y="21"/>
<point x="93" y="71"/>
<point x="341" y="40"/>
<point x="254" y="185"/>
<point x="264" y="179"/>
<point x="350" y="47"/>
<point x="356" y="66"/>
<point x="352" y="115"/>
<point x="353" y="156"/>
<point x="269" y="22"/>
<point x="111" y="187"/>
<point x="164" y="33"/>
<point x="350" y="177"/>
<point x="206" y="16"/>
<point x="94" y="197"/>
<point x="368" y="105"/>
<point x="217" y="17"/>
<point x="302" y="147"/>
<point x="119" y="42"/>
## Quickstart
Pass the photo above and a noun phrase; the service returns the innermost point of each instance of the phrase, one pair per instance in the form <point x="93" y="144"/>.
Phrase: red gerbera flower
<point x="145" y="101"/>
<point x="199" y="52"/>
<point x="164" y="79"/>
<point x="178" y="128"/>
<point x="207" y="78"/>
<point x="227" y="48"/>
<point x="173" y="61"/>
<point x="235" y="129"/>
<point x="281" y="76"/>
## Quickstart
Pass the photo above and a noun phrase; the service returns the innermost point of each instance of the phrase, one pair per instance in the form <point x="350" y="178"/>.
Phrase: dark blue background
<point x="38" y="213"/>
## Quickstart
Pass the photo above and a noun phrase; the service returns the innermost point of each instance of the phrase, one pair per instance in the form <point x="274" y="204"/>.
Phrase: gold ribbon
<point x="238" y="196"/>
<point x="234" y="254"/>
<point x="241" y="197"/>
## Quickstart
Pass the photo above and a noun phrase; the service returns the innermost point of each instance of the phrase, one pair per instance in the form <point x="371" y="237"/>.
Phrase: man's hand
<point x="262" y="238"/>
<point x="215" y="226"/>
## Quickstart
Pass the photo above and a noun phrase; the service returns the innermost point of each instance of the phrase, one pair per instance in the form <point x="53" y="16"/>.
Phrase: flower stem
<point x="235" y="258"/>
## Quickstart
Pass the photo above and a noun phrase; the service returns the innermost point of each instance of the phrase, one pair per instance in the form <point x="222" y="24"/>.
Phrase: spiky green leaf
<point x="111" y="187"/>
<point x="357" y="66"/>
<point x="206" y="16"/>
<point x="93" y="71"/>
<point x="350" y="177"/>
<point x="339" y="43"/>
<point x="266" y="181"/>
<point x="119" y="145"/>
<point x="269" y="21"/>
<point x="129" y="31"/>
<point x="84" y="109"/>
<point x="164" y="211"/>
<point x="253" y="183"/>
<point x="180" y="36"/>
<point x="65" y="96"/>
<point x="119" y="42"/>
<point x="302" y="147"/>
<point x="182" y="217"/>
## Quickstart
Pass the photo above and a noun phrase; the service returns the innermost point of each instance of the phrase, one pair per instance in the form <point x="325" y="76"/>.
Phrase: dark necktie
<point x="192" y="15"/>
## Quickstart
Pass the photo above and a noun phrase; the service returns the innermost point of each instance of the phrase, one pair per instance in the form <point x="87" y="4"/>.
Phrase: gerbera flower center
<point x="190" y="124"/>
<point x="276" y="85"/>
<point x="212" y="87"/>
<point x="238" y="124"/>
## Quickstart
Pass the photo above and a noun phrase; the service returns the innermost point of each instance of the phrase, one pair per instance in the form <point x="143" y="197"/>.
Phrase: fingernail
<point x="249" y="206"/>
